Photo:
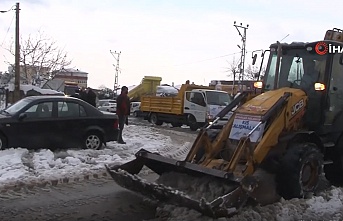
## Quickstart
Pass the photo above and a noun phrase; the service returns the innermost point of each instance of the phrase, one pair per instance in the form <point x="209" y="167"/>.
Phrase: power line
<point x="208" y="59"/>
<point x="8" y="30"/>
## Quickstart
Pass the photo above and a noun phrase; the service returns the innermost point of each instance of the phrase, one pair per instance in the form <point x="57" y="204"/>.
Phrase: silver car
<point x="107" y="105"/>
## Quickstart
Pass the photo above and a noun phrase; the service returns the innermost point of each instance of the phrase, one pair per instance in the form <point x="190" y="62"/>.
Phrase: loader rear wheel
<point x="154" y="119"/>
<point x="300" y="170"/>
<point x="334" y="171"/>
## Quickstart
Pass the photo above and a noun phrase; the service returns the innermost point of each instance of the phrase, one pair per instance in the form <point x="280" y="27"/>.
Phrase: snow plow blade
<point x="225" y="205"/>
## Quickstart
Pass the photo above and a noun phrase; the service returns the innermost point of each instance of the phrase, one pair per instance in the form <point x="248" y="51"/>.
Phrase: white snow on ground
<point x="25" y="166"/>
<point x="327" y="206"/>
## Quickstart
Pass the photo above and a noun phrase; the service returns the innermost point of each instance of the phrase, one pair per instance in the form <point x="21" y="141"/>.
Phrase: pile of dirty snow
<point x="197" y="188"/>
<point x="23" y="165"/>
<point x="326" y="206"/>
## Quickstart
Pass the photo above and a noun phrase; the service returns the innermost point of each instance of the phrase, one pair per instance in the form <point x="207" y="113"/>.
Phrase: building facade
<point x="72" y="75"/>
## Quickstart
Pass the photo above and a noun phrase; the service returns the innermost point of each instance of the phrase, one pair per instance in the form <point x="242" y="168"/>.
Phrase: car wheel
<point x="93" y="141"/>
<point x="135" y="114"/>
<point x="3" y="142"/>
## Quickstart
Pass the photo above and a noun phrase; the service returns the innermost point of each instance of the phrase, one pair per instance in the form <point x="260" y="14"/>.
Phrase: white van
<point x="135" y="109"/>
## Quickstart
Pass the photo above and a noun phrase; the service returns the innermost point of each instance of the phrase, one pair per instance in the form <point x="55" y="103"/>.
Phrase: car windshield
<point x="217" y="98"/>
<point x="299" y="68"/>
<point x="16" y="107"/>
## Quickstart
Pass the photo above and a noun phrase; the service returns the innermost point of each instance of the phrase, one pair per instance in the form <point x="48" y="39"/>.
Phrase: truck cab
<point x="204" y="104"/>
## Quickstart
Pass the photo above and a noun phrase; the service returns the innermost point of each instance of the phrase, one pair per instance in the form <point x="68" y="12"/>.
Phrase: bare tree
<point x="40" y="56"/>
<point x="251" y="72"/>
<point x="233" y="69"/>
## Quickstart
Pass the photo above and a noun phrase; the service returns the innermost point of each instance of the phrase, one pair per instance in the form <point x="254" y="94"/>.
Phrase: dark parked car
<point x="56" y="122"/>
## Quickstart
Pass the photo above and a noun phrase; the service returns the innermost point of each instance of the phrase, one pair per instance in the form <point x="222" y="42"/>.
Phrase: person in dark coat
<point x="77" y="94"/>
<point x="83" y="94"/>
<point x="91" y="97"/>
<point x="123" y="111"/>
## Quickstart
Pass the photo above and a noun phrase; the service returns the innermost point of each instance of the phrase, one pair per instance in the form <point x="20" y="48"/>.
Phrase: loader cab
<point x="315" y="69"/>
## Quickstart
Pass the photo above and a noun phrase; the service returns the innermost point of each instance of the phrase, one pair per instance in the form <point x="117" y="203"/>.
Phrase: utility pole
<point x="17" y="57"/>
<point x="116" y="56"/>
<point x="243" y="51"/>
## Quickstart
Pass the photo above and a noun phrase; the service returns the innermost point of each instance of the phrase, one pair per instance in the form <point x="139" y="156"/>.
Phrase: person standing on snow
<point x="91" y="97"/>
<point x="123" y="110"/>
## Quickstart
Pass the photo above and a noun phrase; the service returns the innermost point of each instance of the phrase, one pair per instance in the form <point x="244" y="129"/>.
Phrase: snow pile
<point x="166" y="91"/>
<point x="22" y="165"/>
<point x="326" y="206"/>
<point x="196" y="188"/>
<point x="27" y="87"/>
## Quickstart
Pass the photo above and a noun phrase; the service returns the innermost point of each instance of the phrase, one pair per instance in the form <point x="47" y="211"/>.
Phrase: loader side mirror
<point x="254" y="59"/>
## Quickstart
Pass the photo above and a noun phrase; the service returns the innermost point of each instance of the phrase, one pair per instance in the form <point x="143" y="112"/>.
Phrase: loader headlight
<point x="319" y="86"/>
<point x="258" y="84"/>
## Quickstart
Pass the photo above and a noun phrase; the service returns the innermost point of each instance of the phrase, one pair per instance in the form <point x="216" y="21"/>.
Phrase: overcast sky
<point x="177" y="40"/>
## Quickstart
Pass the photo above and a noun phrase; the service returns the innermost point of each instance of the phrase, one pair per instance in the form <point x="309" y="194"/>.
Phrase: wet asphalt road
<point x="91" y="200"/>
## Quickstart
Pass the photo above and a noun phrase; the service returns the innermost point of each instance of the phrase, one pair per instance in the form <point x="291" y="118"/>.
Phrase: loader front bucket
<point x="225" y="205"/>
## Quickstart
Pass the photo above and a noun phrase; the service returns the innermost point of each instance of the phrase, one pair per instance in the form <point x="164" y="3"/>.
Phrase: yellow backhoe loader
<point x="278" y="141"/>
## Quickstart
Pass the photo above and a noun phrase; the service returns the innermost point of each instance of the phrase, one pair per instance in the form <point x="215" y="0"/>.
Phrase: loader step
<point x="326" y="162"/>
<point x="329" y="144"/>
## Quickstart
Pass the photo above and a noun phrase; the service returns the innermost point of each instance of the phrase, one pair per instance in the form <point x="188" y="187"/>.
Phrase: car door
<point x="71" y="123"/>
<point x="194" y="104"/>
<point x="36" y="130"/>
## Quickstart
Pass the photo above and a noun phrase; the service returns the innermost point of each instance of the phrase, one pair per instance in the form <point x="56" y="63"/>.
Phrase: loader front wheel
<point x="300" y="170"/>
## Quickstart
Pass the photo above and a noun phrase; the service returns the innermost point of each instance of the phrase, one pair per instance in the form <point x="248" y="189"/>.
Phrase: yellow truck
<point x="194" y="106"/>
<point x="147" y="86"/>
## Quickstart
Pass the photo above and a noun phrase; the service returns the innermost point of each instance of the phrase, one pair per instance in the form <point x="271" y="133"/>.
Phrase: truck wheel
<point x="193" y="124"/>
<point x="154" y="119"/>
<point x="300" y="170"/>
<point x="135" y="114"/>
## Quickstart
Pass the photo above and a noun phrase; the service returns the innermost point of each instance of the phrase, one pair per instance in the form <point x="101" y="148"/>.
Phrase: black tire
<point x="176" y="124"/>
<point x="3" y="142"/>
<point x="154" y="119"/>
<point x="93" y="140"/>
<point x="334" y="172"/>
<point x="193" y="124"/>
<point x="300" y="170"/>
<point x="135" y="114"/>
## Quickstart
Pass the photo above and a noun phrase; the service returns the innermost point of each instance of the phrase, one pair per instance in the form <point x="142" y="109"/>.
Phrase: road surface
<point x="92" y="200"/>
